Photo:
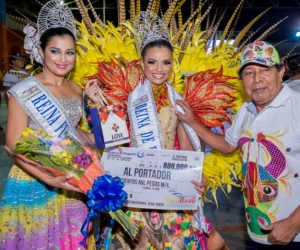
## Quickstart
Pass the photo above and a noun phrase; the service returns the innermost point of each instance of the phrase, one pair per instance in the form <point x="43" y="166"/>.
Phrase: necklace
<point x="161" y="96"/>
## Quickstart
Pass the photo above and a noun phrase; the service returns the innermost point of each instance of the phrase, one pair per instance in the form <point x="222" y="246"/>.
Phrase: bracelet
<point x="93" y="105"/>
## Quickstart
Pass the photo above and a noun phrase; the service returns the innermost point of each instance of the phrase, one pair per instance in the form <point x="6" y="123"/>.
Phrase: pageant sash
<point x="146" y="131"/>
<point x="143" y="117"/>
<point x="194" y="139"/>
<point x="42" y="107"/>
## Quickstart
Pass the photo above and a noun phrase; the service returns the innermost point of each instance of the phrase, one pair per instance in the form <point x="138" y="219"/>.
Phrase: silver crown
<point x="148" y="27"/>
<point x="55" y="14"/>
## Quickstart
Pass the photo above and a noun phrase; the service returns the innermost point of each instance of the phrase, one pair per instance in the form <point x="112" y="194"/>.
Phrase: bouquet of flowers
<point x="70" y="156"/>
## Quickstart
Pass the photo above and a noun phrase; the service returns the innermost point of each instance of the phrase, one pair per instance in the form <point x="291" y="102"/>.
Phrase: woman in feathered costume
<point x="154" y="125"/>
<point x="211" y="91"/>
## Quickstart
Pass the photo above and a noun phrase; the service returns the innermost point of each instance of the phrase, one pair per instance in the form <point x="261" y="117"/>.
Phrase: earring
<point x="143" y="77"/>
<point x="174" y="77"/>
<point x="44" y="74"/>
<point x="69" y="76"/>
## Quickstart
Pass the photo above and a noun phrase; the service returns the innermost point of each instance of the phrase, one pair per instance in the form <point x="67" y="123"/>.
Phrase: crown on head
<point x="55" y="14"/>
<point x="148" y="27"/>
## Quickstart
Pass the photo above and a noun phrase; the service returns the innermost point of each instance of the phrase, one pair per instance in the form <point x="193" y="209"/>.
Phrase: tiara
<point x="148" y="27"/>
<point x="55" y="14"/>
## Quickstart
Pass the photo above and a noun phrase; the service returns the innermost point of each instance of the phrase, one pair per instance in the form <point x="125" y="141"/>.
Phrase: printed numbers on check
<point x="179" y="166"/>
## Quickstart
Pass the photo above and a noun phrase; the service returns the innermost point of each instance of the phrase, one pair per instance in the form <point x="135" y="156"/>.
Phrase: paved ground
<point x="228" y="218"/>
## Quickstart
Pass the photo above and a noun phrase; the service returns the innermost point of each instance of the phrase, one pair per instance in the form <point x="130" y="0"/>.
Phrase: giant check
<point x="156" y="179"/>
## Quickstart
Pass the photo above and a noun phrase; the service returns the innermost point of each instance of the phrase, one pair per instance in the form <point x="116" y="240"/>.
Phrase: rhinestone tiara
<point x="149" y="27"/>
<point x="55" y="14"/>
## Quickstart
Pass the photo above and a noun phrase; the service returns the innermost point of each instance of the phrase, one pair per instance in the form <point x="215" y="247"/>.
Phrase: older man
<point x="266" y="130"/>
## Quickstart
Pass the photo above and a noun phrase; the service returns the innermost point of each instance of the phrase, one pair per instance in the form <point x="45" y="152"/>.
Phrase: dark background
<point x="251" y="8"/>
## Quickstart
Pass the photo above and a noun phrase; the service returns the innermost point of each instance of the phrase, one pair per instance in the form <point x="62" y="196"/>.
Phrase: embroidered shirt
<point x="269" y="142"/>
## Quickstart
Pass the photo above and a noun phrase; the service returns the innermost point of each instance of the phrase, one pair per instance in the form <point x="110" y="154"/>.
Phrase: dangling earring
<point x="143" y="77"/>
<point x="44" y="74"/>
<point x="69" y="76"/>
<point x="174" y="77"/>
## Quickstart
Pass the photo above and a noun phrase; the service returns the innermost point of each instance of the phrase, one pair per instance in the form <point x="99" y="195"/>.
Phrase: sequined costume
<point x="36" y="216"/>
<point x="163" y="229"/>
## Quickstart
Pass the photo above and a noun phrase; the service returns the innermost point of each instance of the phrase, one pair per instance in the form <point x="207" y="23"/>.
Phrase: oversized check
<point x="156" y="179"/>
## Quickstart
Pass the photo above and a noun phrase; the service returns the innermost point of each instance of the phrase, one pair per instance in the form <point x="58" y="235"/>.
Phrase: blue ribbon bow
<point x="106" y="195"/>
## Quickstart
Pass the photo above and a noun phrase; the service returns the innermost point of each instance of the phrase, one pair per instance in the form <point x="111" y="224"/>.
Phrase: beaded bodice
<point x="168" y="122"/>
<point x="73" y="108"/>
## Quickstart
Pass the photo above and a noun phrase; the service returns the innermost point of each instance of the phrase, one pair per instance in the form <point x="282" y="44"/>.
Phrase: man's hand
<point x="188" y="116"/>
<point x="282" y="231"/>
<point x="214" y="140"/>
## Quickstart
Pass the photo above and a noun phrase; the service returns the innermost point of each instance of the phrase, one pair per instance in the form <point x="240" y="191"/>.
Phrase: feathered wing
<point x="210" y="97"/>
<point x="119" y="77"/>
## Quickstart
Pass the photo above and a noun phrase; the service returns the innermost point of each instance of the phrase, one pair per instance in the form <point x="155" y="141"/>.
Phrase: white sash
<point x="194" y="139"/>
<point x="146" y="130"/>
<point x="42" y="107"/>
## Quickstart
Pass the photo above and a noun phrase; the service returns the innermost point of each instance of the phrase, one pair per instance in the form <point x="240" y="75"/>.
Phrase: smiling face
<point x="261" y="84"/>
<point x="59" y="55"/>
<point x="157" y="64"/>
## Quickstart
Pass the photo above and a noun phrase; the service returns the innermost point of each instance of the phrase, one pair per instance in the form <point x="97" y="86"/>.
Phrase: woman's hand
<point x="91" y="89"/>
<point x="62" y="182"/>
<point x="200" y="186"/>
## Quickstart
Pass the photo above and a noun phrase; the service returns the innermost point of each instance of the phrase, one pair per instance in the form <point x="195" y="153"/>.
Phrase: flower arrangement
<point x="68" y="156"/>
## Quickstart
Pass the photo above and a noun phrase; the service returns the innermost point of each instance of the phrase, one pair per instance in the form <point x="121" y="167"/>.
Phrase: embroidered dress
<point x="160" y="229"/>
<point x="36" y="216"/>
